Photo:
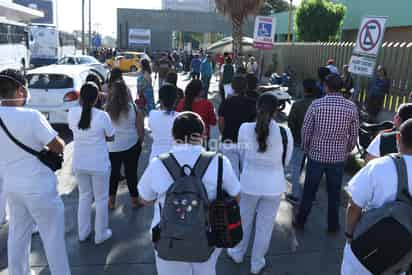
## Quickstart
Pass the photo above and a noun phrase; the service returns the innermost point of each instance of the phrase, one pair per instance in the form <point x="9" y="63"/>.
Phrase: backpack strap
<point x="172" y="165"/>
<point x="220" y="178"/>
<point x="403" y="187"/>
<point x="203" y="163"/>
<point x="388" y="143"/>
<point x="284" y="143"/>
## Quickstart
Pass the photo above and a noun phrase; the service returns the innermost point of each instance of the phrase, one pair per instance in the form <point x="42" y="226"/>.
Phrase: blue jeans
<point x="149" y="96"/>
<point x="334" y="176"/>
<point x="295" y="168"/>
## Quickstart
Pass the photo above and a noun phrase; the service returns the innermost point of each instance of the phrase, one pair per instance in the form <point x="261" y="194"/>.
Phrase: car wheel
<point x="133" y="69"/>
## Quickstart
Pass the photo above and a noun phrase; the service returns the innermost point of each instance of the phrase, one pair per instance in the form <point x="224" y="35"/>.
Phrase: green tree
<point x="238" y="11"/>
<point x="273" y="6"/>
<point x="319" y="20"/>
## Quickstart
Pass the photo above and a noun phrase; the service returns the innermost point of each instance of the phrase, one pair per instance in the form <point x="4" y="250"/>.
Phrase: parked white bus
<point x="67" y="44"/>
<point x="14" y="49"/>
<point x="44" y="45"/>
<point x="48" y="45"/>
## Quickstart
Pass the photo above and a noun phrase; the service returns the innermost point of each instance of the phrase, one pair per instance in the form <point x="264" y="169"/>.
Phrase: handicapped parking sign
<point x="264" y="34"/>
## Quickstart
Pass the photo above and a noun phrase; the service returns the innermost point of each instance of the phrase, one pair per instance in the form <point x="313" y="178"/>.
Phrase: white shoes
<point x="106" y="236"/>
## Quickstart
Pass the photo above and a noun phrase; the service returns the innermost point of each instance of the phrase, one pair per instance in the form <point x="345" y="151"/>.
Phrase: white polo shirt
<point x="23" y="172"/>
<point x="161" y="125"/>
<point x="374" y="186"/>
<point x="374" y="149"/>
<point x="90" y="151"/>
<point x="156" y="180"/>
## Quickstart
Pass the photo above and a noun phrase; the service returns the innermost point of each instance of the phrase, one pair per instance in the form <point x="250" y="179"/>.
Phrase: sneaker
<point x="235" y="261"/>
<point x="106" y="236"/>
<point x="293" y="200"/>
<point x="87" y="238"/>
<point x="260" y="272"/>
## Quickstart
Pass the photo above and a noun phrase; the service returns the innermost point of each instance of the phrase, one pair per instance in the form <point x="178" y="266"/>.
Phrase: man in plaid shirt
<point x="329" y="135"/>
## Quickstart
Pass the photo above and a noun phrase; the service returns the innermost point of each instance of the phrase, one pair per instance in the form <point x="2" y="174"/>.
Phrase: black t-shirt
<point x="236" y="110"/>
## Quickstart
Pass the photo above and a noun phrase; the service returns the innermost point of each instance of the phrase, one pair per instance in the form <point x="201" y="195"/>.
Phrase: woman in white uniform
<point x="188" y="129"/>
<point x="91" y="165"/>
<point x="125" y="150"/>
<point x="161" y="121"/>
<point x="262" y="180"/>
<point x="30" y="186"/>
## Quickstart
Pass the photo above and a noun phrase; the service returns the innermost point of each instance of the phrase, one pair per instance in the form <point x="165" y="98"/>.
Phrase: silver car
<point x="101" y="69"/>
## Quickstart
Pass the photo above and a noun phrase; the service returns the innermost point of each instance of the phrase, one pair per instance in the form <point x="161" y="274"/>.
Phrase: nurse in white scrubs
<point x="262" y="180"/>
<point x="161" y="121"/>
<point x="187" y="128"/>
<point x="29" y="185"/>
<point x="91" y="164"/>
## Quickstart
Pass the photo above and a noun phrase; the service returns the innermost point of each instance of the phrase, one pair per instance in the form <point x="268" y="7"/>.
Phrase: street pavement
<point x="130" y="251"/>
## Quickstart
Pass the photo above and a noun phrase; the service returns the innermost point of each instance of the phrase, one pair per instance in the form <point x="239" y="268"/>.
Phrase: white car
<point x="55" y="89"/>
<point x="86" y="60"/>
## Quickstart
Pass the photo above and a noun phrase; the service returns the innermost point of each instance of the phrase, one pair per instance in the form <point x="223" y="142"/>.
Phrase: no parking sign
<point x="370" y="36"/>
<point x="368" y="44"/>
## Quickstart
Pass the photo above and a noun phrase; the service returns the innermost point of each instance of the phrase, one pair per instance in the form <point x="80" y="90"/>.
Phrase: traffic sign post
<point x="264" y="36"/>
<point x="368" y="44"/>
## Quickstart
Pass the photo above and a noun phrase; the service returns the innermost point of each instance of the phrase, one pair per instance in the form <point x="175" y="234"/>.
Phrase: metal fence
<point x="306" y="58"/>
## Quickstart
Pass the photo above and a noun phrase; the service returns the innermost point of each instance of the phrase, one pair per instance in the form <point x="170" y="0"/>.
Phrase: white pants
<point x="93" y="185"/>
<point x="47" y="211"/>
<point x="228" y="90"/>
<point x="265" y="208"/>
<point x="181" y="268"/>
<point x="232" y="153"/>
<point x="2" y="203"/>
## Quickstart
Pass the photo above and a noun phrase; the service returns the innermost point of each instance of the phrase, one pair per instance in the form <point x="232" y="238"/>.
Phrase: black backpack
<point x="184" y="228"/>
<point x="383" y="238"/>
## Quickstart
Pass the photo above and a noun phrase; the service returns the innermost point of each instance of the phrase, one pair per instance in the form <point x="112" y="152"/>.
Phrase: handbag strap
<point x="220" y="178"/>
<point x="18" y="143"/>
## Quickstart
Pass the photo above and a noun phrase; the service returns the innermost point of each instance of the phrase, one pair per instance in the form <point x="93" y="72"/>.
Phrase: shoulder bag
<point x="51" y="159"/>
<point x="225" y="219"/>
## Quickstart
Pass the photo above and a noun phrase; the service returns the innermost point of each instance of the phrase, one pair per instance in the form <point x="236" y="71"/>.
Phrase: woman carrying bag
<point x="262" y="180"/>
<point x="91" y="165"/>
<point x="128" y="122"/>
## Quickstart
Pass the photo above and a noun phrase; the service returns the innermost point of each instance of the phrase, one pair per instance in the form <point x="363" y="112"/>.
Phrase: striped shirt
<point x="330" y="129"/>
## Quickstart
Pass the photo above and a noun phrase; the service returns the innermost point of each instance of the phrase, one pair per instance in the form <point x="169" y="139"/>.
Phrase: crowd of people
<point x="259" y="155"/>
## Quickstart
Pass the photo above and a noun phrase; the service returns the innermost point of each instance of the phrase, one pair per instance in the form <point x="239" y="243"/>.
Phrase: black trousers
<point x="130" y="160"/>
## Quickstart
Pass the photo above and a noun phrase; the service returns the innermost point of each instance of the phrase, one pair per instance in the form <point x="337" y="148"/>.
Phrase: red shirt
<point x="204" y="108"/>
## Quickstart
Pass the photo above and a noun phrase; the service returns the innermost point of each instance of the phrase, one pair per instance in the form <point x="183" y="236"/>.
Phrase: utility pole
<point x="83" y="34"/>
<point x="90" y="25"/>
<point x="290" y="21"/>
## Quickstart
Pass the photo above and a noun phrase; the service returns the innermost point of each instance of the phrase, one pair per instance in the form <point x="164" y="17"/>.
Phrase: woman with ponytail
<point x="194" y="102"/>
<point x="262" y="179"/>
<point x="91" y="165"/>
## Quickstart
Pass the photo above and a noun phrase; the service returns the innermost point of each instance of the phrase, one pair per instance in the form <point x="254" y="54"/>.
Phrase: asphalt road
<point x="130" y="251"/>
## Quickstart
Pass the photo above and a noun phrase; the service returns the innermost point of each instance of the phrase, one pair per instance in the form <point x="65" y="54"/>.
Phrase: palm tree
<point x="238" y="11"/>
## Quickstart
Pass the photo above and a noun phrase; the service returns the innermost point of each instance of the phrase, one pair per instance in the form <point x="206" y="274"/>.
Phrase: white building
<point x="189" y="5"/>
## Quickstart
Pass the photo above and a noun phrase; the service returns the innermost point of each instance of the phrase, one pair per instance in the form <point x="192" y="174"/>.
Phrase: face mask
<point x="25" y="99"/>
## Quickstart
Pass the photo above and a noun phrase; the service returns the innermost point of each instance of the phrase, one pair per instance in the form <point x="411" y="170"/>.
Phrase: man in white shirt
<point x="374" y="186"/>
<point x="387" y="142"/>
<point x="29" y="185"/>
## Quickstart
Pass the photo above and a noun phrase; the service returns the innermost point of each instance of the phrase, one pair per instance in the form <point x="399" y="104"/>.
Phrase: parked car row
<point x="56" y="88"/>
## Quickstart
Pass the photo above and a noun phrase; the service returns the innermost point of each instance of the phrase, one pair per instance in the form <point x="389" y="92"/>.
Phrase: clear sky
<point x="103" y="13"/>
